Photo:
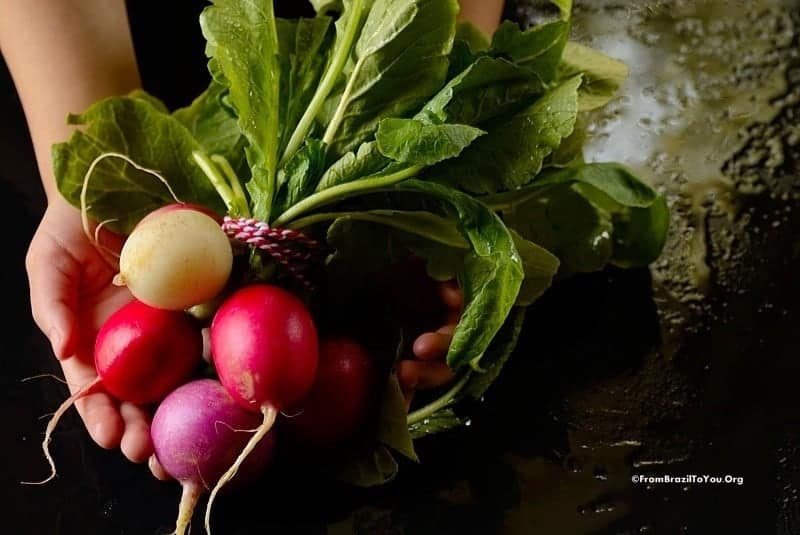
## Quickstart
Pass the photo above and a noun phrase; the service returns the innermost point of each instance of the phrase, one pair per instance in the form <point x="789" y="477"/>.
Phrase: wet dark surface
<point x="689" y="368"/>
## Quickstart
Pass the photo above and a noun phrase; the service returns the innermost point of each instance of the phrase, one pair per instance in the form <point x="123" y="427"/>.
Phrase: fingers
<point x="434" y="346"/>
<point x="135" y="443"/>
<point x="418" y="375"/>
<point x="53" y="278"/>
<point x="98" y="410"/>
<point x="451" y="295"/>
<point x="157" y="470"/>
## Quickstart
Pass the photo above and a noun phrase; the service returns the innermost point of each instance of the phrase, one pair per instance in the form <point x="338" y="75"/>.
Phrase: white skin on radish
<point x="175" y="260"/>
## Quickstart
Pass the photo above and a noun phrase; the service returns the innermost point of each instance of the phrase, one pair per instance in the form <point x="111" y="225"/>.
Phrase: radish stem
<point x="189" y="496"/>
<point x="328" y="81"/>
<point x="342" y="191"/>
<point x="236" y="185"/>
<point x="217" y="180"/>
<point x="51" y="425"/>
<point x="439" y="403"/>
<point x="270" y="413"/>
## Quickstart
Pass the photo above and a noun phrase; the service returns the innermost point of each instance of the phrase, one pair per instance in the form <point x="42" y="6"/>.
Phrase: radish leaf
<point x="242" y="41"/>
<point x="398" y="62"/>
<point x="495" y="163"/>
<point x="117" y="191"/>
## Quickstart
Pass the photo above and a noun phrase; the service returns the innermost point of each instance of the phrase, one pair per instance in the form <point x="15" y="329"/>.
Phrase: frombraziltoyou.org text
<point x="687" y="479"/>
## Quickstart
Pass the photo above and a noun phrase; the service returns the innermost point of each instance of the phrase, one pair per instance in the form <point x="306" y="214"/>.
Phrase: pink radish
<point x="176" y="257"/>
<point x="341" y="398"/>
<point x="141" y="354"/>
<point x="198" y="431"/>
<point x="264" y="347"/>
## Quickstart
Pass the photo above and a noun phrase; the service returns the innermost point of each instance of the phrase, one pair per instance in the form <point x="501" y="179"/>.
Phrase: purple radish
<point x="198" y="431"/>
<point x="265" y="350"/>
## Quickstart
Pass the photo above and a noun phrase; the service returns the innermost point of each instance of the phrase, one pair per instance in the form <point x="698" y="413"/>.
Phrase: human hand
<point x="428" y="369"/>
<point x="71" y="297"/>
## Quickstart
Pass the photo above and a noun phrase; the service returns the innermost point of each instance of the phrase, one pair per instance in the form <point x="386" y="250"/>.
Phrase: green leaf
<point x="116" y="190"/>
<point x="565" y="6"/>
<point x="399" y="61"/>
<point x="565" y="223"/>
<point x="538" y="49"/>
<point x="353" y="166"/>
<point x="297" y="179"/>
<point x="615" y="180"/>
<point x="497" y="354"/>
<point x="470" y="43"/>
<point x="539" y="265"/>
<point x="423" y="224"/>
<point x="323" y="7"/>
<point x="439" y="421"/>
<point x="639" y="232"/>
<point x="490" y="277"/>
<point x="392" y="426"/>
<point x="475" y="38"/>
<point x="488" y="88"/>
<point x="570" y="152"/>
<point x="640" y="235"/>
<point x="214" y="127"/>
<point x="242" y="41"/>
<point x="370" y="468"/>
<point x="414" y="142"/>
<point x="305" y="47"/>
<point x="602" y="75"/>
<point x="150" y="99"/>
<point x="513" y="152"/>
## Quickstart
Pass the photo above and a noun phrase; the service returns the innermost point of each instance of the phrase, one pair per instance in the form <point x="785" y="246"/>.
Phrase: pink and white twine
<point x="292" y="249"/>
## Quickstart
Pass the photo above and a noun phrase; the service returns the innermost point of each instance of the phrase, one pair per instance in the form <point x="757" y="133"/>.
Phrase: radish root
<point x="42" y="376"/>
<point x="51" y="425"/>
<point x="270" y="413"/>
<point x="217" y="423"/>
<point x="104" y="251"/>
<point x="189" y="496"/>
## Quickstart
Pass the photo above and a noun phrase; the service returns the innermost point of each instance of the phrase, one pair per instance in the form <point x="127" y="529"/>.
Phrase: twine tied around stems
<point x="292" y="249"/>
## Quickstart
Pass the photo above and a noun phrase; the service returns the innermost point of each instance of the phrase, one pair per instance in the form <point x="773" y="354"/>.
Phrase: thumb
<point x="53" y="276"/>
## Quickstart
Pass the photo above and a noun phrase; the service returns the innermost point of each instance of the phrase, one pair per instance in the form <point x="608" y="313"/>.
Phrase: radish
<point x="341" y="399"/>
<point x="264" y="347"/>
<point x="198" y="431"/>
<point x="141" y="353"/>
<point x="176" y="257"/>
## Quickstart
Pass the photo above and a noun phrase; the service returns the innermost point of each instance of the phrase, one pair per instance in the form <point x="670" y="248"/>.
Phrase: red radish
<point x="340" y="399"/>
<point x="264" y="347"/>
<point x="198" y="431"/>
<point x="175" y="258"/>
<point x="141" y="354"/>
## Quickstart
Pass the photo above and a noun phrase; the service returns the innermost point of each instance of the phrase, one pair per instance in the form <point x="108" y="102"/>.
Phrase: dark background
<point x="599" y="389"/>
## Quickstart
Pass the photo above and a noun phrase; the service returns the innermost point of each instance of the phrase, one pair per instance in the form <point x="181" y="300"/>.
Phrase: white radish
<point x="175" y="258"/>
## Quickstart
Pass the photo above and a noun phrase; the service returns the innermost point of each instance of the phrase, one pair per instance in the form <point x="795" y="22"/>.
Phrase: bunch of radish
<point x="264" y="348"/>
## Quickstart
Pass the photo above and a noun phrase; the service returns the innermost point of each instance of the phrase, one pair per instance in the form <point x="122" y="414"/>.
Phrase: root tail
<point x="51" y="426"/>
<point x="270" y="413"/>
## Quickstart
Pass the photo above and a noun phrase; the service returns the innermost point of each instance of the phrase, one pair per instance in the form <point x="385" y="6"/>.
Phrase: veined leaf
<point x="539" y="265"/>
<point x="305" y="47"/>
<point x="242" y="41"/>
<point x="538" y="49"/>
<point x="490" y="277"/>
<point x="513" y="152"/>
<point x="488" y="88"/>
<point x="117" y="192"/>
<point x="399" y="61"/>
<point x="602" y="75"/>
<point x="414" y="142"/>
<point x="215" y="127"/>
